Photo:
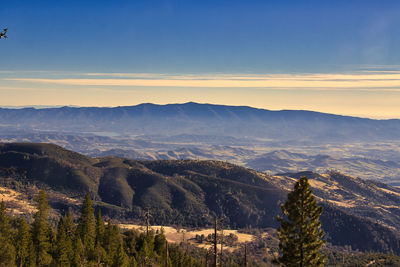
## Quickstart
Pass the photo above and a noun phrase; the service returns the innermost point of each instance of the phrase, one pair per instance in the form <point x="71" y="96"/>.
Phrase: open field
<point x="175" y="235"/>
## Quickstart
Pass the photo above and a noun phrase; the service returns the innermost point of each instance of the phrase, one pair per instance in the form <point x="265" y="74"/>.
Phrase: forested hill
<point x="190" y="192"/>
<point x="197" y="119"/>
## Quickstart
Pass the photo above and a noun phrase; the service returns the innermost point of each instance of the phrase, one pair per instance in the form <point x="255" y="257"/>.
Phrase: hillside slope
<point x="191" y="193"/>
<point x="283" y="161"/>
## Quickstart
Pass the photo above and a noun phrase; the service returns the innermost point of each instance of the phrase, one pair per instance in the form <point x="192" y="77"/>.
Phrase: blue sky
<point x="53" y="40"/>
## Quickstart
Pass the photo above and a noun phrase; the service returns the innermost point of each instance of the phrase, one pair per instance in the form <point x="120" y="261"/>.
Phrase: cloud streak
<point x="379" y="81"/>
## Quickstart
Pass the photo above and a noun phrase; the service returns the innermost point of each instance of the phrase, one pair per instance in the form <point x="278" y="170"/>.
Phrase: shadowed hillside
<point x="191" y="193"/>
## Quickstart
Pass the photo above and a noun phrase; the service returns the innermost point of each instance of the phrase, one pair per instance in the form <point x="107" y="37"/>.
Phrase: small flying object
<point x="3" y="33"/>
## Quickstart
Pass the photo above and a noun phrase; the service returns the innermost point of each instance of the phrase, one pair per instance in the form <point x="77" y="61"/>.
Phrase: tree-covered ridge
<point x="190" y="193"/>
<point x="87" y="242"/>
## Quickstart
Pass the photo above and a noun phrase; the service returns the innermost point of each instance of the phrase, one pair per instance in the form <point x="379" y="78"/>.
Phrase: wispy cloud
<point x="363" y="80"/>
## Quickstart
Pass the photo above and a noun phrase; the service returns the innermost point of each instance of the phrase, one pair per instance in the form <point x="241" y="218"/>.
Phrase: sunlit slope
<point x="191" y="193"/>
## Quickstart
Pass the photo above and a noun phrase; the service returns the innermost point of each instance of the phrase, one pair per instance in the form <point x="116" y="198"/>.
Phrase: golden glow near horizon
<point x="315" y="81"/>
<point x="366" y="93"/>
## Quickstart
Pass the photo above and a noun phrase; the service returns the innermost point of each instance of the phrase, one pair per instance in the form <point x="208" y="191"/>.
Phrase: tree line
<point x="91" y="242"/>
<point x="88" y="242"/>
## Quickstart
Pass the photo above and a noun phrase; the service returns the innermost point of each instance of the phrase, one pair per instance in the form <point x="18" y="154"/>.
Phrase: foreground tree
<point x="41" y="232"/>
<point x="90" y="243"/>
<point x="25" y="254"/>
<point x="7" y="250"/>
<point x="300" y="235"/>
<point x="86" y="229"/>
<point x="63" y="245"/>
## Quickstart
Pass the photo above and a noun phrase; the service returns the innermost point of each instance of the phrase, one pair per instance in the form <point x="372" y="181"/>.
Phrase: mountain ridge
<point x="182" y="192"/>
<point x="190" y="103"/>
<point x="194" y="118"/>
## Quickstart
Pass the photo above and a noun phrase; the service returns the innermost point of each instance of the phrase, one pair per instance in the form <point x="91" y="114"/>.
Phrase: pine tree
<point x="41" y="231"/>
<point x="301" y="234"/>
<point x="100" y="255"/>
<point x="31" y="260"/>
<point x="87" y="227"/>
<point x="120" y="258"/>
<point x="7" y="249"/>
<point x="133" y="262"/>
<point x="69" y="226"/>
<point x="159" y="242"/>
<point x="23" y="244"/>
<point x="5" y="226"/>
<point x="63" y="250"/>
<point x="146" y="252"/>
<point x="131" y="239"/>
<point x="79" y="259"/>
<point x="111" y="242"/>
<point x="99" y="228"/>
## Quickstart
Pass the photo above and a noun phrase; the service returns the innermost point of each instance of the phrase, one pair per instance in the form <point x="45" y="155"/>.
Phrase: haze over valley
<point x="268" y="141"/>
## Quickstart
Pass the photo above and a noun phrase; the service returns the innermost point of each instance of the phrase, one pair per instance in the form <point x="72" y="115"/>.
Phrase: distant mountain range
<point x="203" y="119"/>
<point x="359" y="213"/>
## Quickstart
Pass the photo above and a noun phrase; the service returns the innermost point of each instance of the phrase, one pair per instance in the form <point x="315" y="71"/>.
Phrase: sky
<point x="337" y="56"/>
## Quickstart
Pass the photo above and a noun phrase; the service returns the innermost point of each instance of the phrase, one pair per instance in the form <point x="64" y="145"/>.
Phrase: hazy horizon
<point x="339" y="58"/>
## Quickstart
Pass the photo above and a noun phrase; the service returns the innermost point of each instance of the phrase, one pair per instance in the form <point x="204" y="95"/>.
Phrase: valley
<point x="374" y="161"/>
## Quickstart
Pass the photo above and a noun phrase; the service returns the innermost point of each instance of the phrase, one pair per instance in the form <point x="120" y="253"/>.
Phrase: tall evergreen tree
<point x="159" y="242"/>
<point x="79" y="259"/>
<point x="111" y="242"/>
<point x="23" y="245"/>
<point x="5" y="226"/>
<point x="120" y="258"/>
<point x="301" y="234"/>
<point x="7" y="249"/>
<point x="69" y="226"/>
<point x="63" y="250"/>
<point x="41" y="234"/>
<point x="100" y="254"/>
<point x="100" y="229"/>
<point x="87" y="227"/>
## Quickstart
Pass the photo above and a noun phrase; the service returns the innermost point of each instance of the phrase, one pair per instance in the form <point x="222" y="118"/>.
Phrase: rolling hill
<point x="362" y="214"/>
<point x="281" y="161"/>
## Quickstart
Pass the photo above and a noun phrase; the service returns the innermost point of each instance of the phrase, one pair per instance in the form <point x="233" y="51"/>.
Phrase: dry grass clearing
<point x="16" y="202"/>
<point x="177" y="236"/>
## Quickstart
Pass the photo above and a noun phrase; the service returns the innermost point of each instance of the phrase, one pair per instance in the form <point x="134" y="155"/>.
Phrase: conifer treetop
<point x="300" y="233"/>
